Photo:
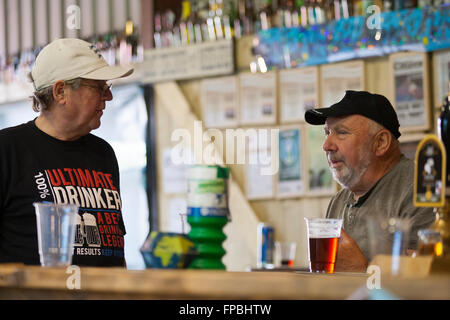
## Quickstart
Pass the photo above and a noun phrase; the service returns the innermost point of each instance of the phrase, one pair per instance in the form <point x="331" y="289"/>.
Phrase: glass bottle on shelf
<point x="134" y="47"/>
<point x="311" y="12"/>
<point x="388" y="5"/>
<point x="347" y="10"/>
<point x="196" y="23"/>
<point x="167" y="28"/>
<point x="202" y="16"/>
<point x="210" y="20"/>
<point x="304" y="14"/>
<point x="265" y="15"/>
<point x="186" y="25"/>
<point x="173" y="25"/>
<point x="424" y="3"/>
<point x="295" y="13"/>
<point x="228" y="18"/>
<point x="411" y="4"/>
<point x="282" y="16"/>
<point x="329" y="9"/>
<point x="288" y="11"/>
<point x="249" y="17"/>
<point x="319" y="11"/>
<point x="239" y="20"/>
<point x="157" y="34"/>
<point x="218" y="19"/>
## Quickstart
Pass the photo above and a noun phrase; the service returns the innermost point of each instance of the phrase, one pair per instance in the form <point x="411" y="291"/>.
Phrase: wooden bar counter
<point x="34" y="282"/>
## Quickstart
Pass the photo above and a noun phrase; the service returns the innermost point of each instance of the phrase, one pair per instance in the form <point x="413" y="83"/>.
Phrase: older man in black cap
<point x="365" y="159"/>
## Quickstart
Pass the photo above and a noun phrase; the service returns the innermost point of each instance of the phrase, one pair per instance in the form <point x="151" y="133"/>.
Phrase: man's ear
<point x="382" y="141"/>
<point x="59" y="92"/>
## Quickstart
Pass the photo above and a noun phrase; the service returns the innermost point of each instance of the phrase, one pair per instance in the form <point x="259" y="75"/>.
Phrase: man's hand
<point x="349" y="255"/>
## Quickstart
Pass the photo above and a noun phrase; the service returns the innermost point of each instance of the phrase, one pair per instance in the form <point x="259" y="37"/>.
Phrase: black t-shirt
<point x="35" y="167"/>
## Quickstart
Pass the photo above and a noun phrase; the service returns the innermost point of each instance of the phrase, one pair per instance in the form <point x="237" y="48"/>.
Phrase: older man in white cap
<point x="57" y="152"/>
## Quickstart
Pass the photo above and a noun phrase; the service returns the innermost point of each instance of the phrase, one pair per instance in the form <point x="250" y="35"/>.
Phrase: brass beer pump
<point x="432" y="184"/>
<point x="442" y="223"/>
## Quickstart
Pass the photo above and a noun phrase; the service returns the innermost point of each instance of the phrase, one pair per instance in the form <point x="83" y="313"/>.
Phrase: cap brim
<point x="319" y="116"/>
<point x="108" y="73"/>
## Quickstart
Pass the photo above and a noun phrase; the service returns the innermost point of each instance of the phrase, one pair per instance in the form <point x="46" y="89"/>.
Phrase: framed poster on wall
<point x="219" y="98"/>
<point x="258" y="98"/>
<point x="410" y="82"/>
<point x="262" y="152"/>
<point x="441" y="72"/>
<point x="299" y="92"/>
<point x="336" y="78"/>
<point x="319" y="177"/>
<point x="291" y="177"/>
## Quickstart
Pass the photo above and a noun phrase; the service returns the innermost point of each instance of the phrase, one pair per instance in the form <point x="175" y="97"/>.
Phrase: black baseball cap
<point x="373" y="106"/>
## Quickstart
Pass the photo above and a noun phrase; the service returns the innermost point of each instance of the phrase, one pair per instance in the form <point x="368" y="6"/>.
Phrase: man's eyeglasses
<point x="103" y="89"/>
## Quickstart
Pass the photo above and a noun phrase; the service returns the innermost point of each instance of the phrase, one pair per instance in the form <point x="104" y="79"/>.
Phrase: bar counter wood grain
<point x="33" y="282"/>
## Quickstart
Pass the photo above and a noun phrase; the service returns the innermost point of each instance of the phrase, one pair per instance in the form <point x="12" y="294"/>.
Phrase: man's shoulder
<point x="99" y="143"/>
<point x="337" y="202"/>
<point x="341" y="195"/>
<point x="11" y="134"/>
<point x="401" y="174"/>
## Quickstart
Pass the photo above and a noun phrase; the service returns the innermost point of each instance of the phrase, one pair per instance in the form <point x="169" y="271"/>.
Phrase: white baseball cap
<point x="70" y="58"/>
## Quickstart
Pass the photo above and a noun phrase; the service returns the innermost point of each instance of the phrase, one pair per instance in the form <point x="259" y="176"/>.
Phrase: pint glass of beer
<point x="323" y="236"/>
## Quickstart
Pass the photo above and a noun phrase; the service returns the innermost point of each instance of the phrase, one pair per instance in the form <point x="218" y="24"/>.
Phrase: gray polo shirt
<point x="392" y="197"/>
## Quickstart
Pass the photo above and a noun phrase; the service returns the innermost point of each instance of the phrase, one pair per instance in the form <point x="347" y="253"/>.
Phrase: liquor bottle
<point x="239" y="20"/>
<point x="210" y="20"/>
<point x="167" y="28"/>
<point x="202" y="16"/>
<point x="229" y="15"/>
<point x="288" y="10"/>
<point x="358" y="8"/>
<point x="304" y="14"/>
<point x="311" y="12"/>
<point x="425" y="3"/>
<point x="346" y="9"/>
<point x="186" y="25"/>
<point x="388" y="5"/>
<point x="319" y="12"/>
<point x="110" y="49"/>
<point x="410" y="4"/>
<point x="196" y="22"/>
<point x="218" y="19"/>
<point x="249" y="17"/>
<point x="157" y="34"/>
<point x="329" y="9"/>
<point x="132" y="39"/>
<point x="175" y="29"/>
<point x="365" y="5"/>
<point x="296" y="13"/>
<point x="265" y="15"/>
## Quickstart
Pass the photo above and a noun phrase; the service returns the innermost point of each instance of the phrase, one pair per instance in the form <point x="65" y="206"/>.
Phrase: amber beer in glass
<point x="323" y="236"/>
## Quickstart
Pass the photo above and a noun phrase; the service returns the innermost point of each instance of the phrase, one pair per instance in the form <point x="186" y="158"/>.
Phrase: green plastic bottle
<point x="207" y="214"/>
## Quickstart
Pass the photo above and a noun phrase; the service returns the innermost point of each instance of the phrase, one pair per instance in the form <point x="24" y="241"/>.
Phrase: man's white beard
<point x="348" y="177"/>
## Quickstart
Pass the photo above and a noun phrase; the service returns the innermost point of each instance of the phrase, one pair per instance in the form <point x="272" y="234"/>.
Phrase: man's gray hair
<point x="43" y="98"/>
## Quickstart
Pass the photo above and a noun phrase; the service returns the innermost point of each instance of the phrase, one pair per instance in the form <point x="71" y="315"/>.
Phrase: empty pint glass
<point x="323" y="240"/>
<point x="56" y="233"/>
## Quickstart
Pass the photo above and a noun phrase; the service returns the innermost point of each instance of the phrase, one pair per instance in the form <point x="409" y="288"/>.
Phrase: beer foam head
<point x="323" y="228"/>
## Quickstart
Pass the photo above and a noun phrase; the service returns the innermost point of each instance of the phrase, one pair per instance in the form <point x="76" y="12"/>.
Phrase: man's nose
<point x="329" y="144"/>
<point x="108" y="95"/>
